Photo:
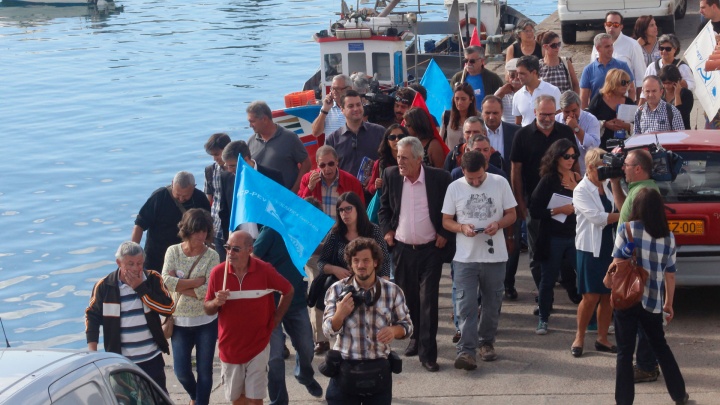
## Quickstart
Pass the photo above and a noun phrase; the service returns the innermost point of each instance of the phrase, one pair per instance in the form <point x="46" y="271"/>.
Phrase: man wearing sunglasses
<point x="593" y="75"/>
<point x="482" y="80"/>
<point x="331" y="117"/>
<point x="625" y="49"/>
<point x="404" y="97"/>
<point x="328" y="182"/>
<point x="483" y="204"/>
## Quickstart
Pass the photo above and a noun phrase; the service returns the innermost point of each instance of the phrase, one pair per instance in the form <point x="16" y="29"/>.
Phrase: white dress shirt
<point x="496" y="139"/>
<point x="591" y="126"/>
<point x="524" y="102"/>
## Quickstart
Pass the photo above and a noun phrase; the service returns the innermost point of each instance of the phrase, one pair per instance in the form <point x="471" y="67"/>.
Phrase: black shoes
<point x="511" y="293"/>
<point x="431" y="366"/>
<point x="607" y="349"/>
<point x="412" y="349"/>
<point x="456" y="337"/>
<point x="286" y="352"/>
<point x="683" y="401"/>
<point x="576" y="351"/>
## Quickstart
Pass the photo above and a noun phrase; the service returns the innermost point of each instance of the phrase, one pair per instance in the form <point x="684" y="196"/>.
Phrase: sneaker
<point x="487" y="352"/>
<point x="457" y="336"/>
<point x="642" y="376"/>
<point x="542" y="328"/>
<point x="611" y="330"/>
<point x="465" y="361"/>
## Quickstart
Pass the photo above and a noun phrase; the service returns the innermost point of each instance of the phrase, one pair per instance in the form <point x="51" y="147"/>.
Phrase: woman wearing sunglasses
<point x="555" y="69"/>
<point x="526" y="43"/>
<point x="604" y="105"/>
<point x="463" y="106"/>
<point x="387" y="155"/>
<point x="669" y="48"/>
<point x="556" y="240"/>
<point x="352" y="222"/>
<point x="646" y="33"/>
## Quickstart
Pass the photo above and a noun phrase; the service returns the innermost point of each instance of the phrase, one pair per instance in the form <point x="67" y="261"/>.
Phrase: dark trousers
<point x="514" y="257"/>
<point x="644" y="356"/>
<point x="418" y="273"/>
<point x="533" y="229"/>
<point x="219" y="243"/>
<point x="626" y="328"/>
<point x="335" y="396"/>
<point x="155" y="369"/>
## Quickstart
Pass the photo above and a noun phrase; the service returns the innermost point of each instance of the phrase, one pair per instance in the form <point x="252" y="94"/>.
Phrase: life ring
<point x="473" y="21"/>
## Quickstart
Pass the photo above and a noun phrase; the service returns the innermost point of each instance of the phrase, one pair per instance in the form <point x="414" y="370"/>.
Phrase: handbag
<point x="169" y="323"/>
<point x="627" y="279"/>
<point x="364" y="377"/>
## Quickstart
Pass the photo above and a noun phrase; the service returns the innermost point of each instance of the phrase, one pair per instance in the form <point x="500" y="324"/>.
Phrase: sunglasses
<point x="393" y="137"/>
<point x="555" y="45"/>
<point x="236" y="249"/>
<point x="612" y="24"/>
<point x="328" y="164"/>
<point x="471" y="61"/>
<point x="665" y="48"/>
<point x="347" y="209"/>
<point x="402" y="100"/>
<point x="568" y="156"/>
<point x="491" y="250"/>
<point x="624" y="82"/>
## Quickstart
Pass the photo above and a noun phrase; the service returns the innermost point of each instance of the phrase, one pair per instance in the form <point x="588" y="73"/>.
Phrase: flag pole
<point x="225" y="274"/>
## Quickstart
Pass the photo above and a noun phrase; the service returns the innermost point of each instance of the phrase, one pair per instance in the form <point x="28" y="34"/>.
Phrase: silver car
<point x="71" y="377"/>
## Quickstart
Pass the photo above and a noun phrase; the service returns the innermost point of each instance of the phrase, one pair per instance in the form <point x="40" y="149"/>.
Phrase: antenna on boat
<point x="7" y="342"/>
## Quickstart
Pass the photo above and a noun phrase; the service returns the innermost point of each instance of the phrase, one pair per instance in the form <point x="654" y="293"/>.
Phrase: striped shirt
<point x="217" y="198"/>
<point x="334" y="120"/>
<point x="136" y="341"/>
<point x="655" y="255"/>
<point x="357" y="338"/>
<point x="647" y="120"/>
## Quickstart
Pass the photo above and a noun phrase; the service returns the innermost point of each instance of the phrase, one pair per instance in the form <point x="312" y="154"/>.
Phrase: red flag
<point x="419" y="102"/>
<point x="475" y="39"/>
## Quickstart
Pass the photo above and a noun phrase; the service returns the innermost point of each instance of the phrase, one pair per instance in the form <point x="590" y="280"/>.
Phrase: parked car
<point x="693" y="203"/>
<point x="585" y="15"/>
<point x="70" y="377"/>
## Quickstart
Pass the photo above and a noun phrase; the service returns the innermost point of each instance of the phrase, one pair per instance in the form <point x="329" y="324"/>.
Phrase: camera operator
<point x="366" y="313"/>
<point x="637" y="167"/>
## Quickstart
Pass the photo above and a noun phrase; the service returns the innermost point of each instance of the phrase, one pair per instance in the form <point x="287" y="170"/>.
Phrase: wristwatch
<point x="576" y="129"/>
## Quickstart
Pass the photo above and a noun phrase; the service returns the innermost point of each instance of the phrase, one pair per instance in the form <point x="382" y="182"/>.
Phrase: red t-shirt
<point x="245" y="325"/>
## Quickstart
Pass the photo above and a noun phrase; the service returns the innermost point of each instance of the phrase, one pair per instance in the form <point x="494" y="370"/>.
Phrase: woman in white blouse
<point x="594" y="212"/>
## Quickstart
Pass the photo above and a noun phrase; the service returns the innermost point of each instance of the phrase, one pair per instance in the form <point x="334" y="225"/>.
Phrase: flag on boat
<point x="439" y="92"/>
<point x="419" y="102"/>
<point x="261" y="200"/>
<point x="475" y="38"/>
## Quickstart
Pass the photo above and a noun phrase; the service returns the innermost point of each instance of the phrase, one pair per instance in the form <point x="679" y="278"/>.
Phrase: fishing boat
<point x="383" y="44"/>
<point x="25" y="14"/>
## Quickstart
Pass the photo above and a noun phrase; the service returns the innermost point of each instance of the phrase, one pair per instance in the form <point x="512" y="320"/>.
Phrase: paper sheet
<point x="558" y="200"/>
<point x="626" y="113"/>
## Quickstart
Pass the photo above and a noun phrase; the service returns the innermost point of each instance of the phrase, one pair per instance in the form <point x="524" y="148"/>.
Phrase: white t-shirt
<point x="523" y="103"/>
<point x="480" y="207"/>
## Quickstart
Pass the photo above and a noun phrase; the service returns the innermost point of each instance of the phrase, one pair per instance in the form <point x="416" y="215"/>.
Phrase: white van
<point x="585" y="15"/>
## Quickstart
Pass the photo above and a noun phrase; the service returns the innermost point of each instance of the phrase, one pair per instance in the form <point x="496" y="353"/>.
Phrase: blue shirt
<point x="478" y="87"/>
<point x="593" y="75"/>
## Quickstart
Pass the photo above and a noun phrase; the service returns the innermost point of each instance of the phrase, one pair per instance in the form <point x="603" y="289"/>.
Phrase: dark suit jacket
<point x="508" y="135"/>
<point x="436" y="183"/>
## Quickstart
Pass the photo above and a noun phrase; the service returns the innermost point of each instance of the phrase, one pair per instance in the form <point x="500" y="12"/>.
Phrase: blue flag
<point x="261" y="200"/>
<point x="438" y="89"/>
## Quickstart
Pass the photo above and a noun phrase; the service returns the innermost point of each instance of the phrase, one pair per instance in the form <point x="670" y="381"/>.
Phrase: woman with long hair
<point x="463" y="106"/>
<point x="646" y="33"/>
<point x="419" y="125"/>
<point x="387" y="155"/>
<point x="655" y="249"/>
<point x="594" y="213"/>
<point x="525" y="43"/>
<point x="186" y="272"/>
<point x="556" y="240"/>
<point x="604" y="105"/>
<point x="555" y="69"/>
<point x="351" y="222"/>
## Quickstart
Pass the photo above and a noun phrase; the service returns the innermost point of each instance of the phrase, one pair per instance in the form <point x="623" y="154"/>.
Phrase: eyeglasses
<point x="555" y="45"/>
<point x="612" y="24"/>
<point x="491" y="250"/>
<point x="568" y="156"/>
<point x="339" y="88"/>
<point x="393" y="137"/>
<point x="347" y="209"/>
<point x="529" y="30"/>
<point x="328" y="164"/>
<point x="665" y="48"/>
<point x="628" y="165"/>
<point x="624" y="82"/>
<point x="236" y="249"/>
<point x="471" y="61"/>
<point x="546" y="115"/>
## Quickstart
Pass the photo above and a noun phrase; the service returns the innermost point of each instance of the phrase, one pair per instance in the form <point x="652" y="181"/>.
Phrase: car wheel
<point x="667" y="26"/>
<point x="680" y="11"/>
<point x="569" y="33"/>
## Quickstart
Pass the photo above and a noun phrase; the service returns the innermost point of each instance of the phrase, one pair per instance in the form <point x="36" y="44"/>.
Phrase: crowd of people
<point x="524" y="158"/>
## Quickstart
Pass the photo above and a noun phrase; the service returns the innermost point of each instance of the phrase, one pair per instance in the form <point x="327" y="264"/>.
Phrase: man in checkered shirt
<point x="656" y="115"/>
<point x="365" y="329"/>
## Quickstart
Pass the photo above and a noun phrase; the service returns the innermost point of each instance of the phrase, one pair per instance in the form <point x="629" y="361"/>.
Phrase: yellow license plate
<point x="687" y="227"/>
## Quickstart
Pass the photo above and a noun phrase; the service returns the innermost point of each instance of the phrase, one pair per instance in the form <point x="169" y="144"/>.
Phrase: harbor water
<point x="100" y="108"/>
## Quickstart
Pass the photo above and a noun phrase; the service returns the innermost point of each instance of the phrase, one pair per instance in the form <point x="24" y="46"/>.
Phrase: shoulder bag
<point x="169" y="323"/>
<point x="627" y="279"/>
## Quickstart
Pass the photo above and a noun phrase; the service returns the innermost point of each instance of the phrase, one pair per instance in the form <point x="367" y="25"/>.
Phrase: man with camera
<point x="366" y="313"/>
<point x="638" y="169"/>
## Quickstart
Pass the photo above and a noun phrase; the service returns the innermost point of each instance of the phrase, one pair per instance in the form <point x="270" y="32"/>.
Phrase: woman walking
<point x="555" y="69"/>
<point x="655" y="250"/>
<point x="463" y="106"/>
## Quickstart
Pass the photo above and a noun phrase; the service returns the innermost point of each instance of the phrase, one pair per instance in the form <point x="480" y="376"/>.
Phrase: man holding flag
<point x="482" y="80"/>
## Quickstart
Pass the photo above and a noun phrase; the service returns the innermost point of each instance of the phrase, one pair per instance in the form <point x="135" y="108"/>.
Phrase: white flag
<point x="707" y="84"/>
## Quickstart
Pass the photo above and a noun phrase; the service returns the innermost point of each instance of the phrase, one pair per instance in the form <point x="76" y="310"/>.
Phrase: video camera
<point x="666" y="164"/>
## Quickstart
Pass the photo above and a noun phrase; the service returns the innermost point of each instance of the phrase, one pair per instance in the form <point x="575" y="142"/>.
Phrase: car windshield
<point x="698" y="181"/>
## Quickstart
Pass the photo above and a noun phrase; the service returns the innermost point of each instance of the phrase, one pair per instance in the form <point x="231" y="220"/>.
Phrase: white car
<point x="585" y="15"/>
<point x="71" y="377"/>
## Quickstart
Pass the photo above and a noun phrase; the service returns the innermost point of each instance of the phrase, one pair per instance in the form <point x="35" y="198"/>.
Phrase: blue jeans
<point x="626" y="329"/>
<point x="297" y="325"/>
<point x="203" y="339"/>
<point x="489" y="278"/>
<point x="560" y="249"/>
